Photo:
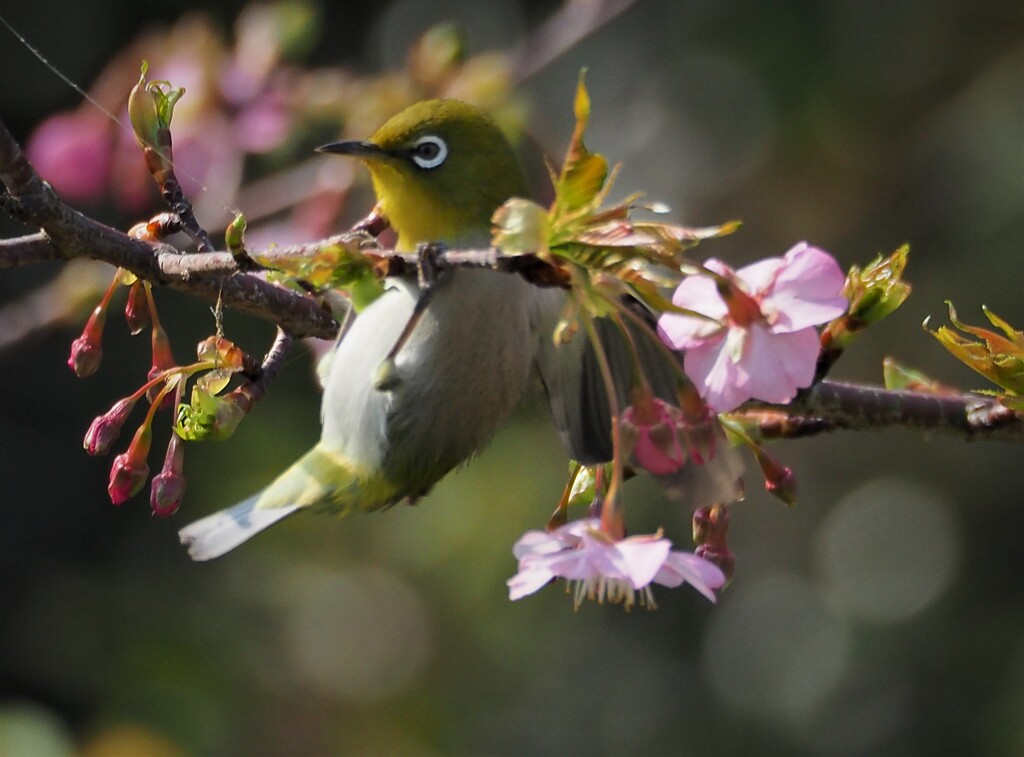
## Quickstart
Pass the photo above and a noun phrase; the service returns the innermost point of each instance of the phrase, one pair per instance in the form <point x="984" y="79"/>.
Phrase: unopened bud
<point x="651" y="427"/>
<point x="130" y="470"/>
<point x="168" y="486"/>
<point x="87" y="350"/>
<point x="105" y="429"/>
<point x="779" y="480"/>
<point x="710" y="524"/>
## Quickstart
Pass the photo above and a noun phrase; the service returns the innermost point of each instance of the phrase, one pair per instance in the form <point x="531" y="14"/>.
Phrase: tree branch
<point x="32" y="248"/>
<point x="834" y="405"/>
<point x="70" y="234"/>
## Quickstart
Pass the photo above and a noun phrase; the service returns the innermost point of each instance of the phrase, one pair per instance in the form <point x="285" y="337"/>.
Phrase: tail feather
<point x="221" y="532"/>
<point x="320" y="480"/>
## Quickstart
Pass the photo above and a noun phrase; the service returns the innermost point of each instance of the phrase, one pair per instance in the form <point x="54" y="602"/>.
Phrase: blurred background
<point x="883" y="615"/>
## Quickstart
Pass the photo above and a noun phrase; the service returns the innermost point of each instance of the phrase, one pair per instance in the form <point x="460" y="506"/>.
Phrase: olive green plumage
<point x="439" y="168"/>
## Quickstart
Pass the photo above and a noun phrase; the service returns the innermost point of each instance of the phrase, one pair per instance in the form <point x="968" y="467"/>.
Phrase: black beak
<point x="358" y="149"/>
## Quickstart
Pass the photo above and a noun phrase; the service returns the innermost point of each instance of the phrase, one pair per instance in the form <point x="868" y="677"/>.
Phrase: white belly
<point x="460" y="374"/>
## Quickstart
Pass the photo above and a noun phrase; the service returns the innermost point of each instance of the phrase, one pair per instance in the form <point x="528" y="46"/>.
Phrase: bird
<point x="395" y="423"/>
<point x="439" y="169"/>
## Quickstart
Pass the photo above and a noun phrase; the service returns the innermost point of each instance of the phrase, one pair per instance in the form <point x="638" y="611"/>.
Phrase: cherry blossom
<point x="758" y="340"/>
<point x="603" y="569"/>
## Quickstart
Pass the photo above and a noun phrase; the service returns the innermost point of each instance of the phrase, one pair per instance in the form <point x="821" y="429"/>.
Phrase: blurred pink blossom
<point x="263" y="124"/>
<point x="73" y="151"/>
<point x="605" y="569"/>
<point x="761" y="343"/>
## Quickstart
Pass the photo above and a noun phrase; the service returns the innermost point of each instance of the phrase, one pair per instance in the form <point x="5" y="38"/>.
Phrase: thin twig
<point x="574" y="21"/>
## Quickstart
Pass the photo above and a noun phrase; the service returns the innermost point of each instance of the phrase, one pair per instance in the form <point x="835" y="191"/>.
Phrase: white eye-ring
<point x="429" y="152"/>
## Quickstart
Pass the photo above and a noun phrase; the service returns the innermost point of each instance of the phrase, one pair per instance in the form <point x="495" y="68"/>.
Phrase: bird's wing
<point x="578" y="399"/>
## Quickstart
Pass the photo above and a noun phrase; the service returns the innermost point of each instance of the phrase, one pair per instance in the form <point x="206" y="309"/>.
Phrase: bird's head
<point x="440" y="168"/>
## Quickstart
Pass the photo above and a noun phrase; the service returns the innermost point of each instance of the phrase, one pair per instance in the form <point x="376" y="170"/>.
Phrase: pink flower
<point x="761" y="342"/>
<point x="604" y="569"/>
<point x="73" y="150"/>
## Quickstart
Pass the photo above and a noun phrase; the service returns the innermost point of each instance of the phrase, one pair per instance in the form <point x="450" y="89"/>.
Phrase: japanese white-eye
<point x="440" y="169"/>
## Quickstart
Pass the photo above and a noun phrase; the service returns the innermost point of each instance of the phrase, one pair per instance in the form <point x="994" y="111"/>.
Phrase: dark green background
<point x="884" y="615"/>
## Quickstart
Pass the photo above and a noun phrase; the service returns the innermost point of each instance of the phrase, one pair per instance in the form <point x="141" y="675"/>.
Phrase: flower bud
<point x="130" y="471"/>
<point x="136" y="309"/>
<point x="87" y="350"/>
<point x="710" y="524"/>
<point x="86" y="355"/>
<point x="651" y="426"/>
<point x="105" y="429"/>
<point x="779" y="480"/>
<point x="168" y="486"/>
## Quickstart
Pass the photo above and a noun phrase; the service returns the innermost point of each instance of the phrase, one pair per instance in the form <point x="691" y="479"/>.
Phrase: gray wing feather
<point x="578" y="400"/>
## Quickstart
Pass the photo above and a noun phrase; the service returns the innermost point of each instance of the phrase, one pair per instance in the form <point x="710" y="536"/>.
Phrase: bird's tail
<point x="221" y="532"/>
<point x="321" y="479"/>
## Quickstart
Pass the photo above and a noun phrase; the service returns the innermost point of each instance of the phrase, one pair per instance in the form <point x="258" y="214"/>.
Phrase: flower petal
<point x="721" y="381"/>
<point x="807" y="290"/>
<point x="759" y="277"/>
<point x="780" y="364"/>
<point x="701" y="574"/>
<point x="528" y="580"/>
<point x="640" y="558"/>
<point x="536" y="543"/>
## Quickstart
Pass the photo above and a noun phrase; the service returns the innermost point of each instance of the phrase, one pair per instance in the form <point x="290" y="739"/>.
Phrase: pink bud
<point x="85" y="357"/>
<point x="166" y="492"/>
<point x="130" y="471"/>
<point x="710" y="524"/>
<point x="136" y="309"/>
<point x="779" y="480"/>
<point x="105" y="429"/>
<point x="126" y="479"/>
<point x="168" y="486"/>
<point x="652" y="426"/>
<point x="87" y="350"/>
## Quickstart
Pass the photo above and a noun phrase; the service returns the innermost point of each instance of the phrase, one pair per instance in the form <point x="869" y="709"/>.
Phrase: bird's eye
<point x="429" y="152"/>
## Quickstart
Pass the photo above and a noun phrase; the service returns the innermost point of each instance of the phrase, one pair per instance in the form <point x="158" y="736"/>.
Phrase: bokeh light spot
<point x="774" y="649"/>
<point x="887" y="550"/>
<point x="363" y="634"/>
